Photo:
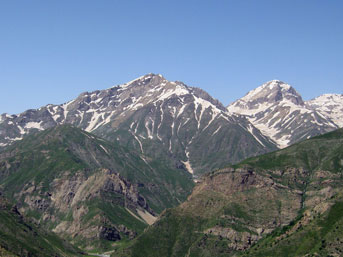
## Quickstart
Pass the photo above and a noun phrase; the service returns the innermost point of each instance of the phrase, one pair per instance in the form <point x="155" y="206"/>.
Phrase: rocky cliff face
<point x="242" y="215"/>
<point x="72" y="195"/>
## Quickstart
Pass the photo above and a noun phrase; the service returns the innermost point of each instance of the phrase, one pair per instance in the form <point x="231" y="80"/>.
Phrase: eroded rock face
<point x="70" y="199"/>
<point x="238" y="240"/>
<point x="256" y="202"/>
<point x="109" y="233"/>
<point x="248" y="203"/>
<point x="130" y="233"/>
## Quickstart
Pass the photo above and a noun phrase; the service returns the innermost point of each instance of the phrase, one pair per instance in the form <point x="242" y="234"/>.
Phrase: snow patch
<point x="272" y="134"/>
<point x="178" y="91"/>
<point x="251" y="130"/>
<point x="36" y="125"/>
<point x="188" y="166"/>
<point x="209" y="123"/>
<point x="215" y="132"/>
<point x="104" y="149"/>
<point x="93" y="123"/>
<point x="159" y="125"/>
<point x="21" y="130"/>
<point x="13" y="139"/>
<point x="139" y="142"/>
<point x="65" y="108"/>
<point x="149" y="131"/>
<point x="187" y="163"/>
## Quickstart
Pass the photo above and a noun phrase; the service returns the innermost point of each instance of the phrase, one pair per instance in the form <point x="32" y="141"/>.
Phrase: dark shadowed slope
<point x="19" y="237"/>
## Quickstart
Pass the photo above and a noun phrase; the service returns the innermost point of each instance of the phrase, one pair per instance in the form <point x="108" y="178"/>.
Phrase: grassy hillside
<point x="47" y="154"/>
<point x="315" y="235"/>
<point x="19" y="237"/>
<point x="322" y="152"/>
<point x="285" y="203"/>
<point x="84" y="187"/>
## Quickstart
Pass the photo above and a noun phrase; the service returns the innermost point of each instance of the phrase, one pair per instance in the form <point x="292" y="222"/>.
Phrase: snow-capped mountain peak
<point x="330" y="105"/>
<point x="274" y="91"/>
<point x="327" y="99"/>
<point x="280" y="113"/>
<point x="264" y="97"/>
<point x="151" y="115"/>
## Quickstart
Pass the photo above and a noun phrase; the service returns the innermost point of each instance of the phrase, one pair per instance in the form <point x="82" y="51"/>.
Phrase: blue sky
<point x="51" y="51"/>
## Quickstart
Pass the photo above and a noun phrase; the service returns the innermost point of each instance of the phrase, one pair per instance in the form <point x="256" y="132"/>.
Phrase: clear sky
<point x="51" y="51"/>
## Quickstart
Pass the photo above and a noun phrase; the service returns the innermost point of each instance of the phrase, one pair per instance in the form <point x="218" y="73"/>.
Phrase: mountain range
<point x="153" y="109"/>
<point x="100" y="169"/>
<point x="158" y="118"/>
